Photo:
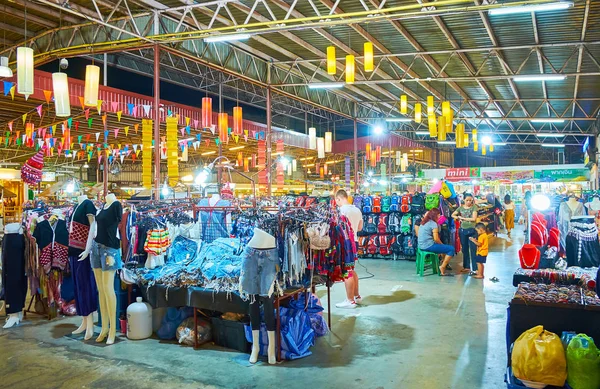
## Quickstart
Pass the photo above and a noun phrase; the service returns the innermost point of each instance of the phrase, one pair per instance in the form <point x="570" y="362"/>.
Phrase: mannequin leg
<point x="269" y="307"/>
<point x="82" y="326"/>
<point x="103" y="305"/>
<point x="13" y="320"/>
<point x="89" y="326"/>
<point x="111" y="300"/>
<point x="255" y="323"/>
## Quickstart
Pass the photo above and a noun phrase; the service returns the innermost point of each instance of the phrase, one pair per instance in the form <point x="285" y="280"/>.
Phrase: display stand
<point x="34" y="300"/>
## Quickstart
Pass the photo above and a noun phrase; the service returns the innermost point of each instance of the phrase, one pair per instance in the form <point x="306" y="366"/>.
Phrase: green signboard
<point x="563" y="175"/>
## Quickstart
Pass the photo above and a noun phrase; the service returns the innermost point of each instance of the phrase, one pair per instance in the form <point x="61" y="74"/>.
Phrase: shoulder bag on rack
<point x="318" y="236"/>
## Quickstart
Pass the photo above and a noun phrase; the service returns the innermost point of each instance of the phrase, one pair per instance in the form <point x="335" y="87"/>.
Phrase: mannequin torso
<point x="573" y="204"/>
<point x="214" y="199"/>
<point x="262" y="240"/>
<point x="108" y="220"/>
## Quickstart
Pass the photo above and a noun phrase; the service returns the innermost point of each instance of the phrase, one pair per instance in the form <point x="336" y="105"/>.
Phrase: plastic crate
<point x="230" y="334"/>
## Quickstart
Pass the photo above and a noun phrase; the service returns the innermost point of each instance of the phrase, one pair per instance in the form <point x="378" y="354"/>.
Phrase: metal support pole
<point x="355" y="149"/>
<point x="156" y="122"/>
<point x="268" y="138"/>
<point x="306" y="152"/>
<point x="105" y="172"/>
<point x="105" y="69"/>
<point x="219" y="168"/>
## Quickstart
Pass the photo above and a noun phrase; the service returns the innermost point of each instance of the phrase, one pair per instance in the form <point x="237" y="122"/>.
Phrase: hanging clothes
<point x="14" y="277"/>
<point x="53" y="242"/>
<point x="214" y="221"/>
<point x="565" y="214"/>
<point x="582" y="246"/>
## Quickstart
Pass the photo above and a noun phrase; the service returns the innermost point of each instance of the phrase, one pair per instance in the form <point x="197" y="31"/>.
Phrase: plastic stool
<point x="427" y="259"/>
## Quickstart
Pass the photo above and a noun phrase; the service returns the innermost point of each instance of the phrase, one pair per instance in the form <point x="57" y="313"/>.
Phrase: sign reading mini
<point x="462" y="173"/>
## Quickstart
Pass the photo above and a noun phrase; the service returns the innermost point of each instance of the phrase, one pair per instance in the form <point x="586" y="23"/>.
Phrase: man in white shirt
<point x="355" y="216"/>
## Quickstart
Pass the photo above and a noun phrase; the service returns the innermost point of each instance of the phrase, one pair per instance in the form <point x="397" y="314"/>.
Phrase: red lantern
<point x="378" y="154"/>
<point x="206" y="112"/>
<point x="237" y="120"/>
<point x="223" y="127"/>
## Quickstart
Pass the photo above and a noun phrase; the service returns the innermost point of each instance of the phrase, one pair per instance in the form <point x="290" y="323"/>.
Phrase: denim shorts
<point x="99" y="254"/>
<point x="480" y="258"/>
<point x="259" y="271"/>
<point x="182" y="249"/>
<point x="440" y="249"/>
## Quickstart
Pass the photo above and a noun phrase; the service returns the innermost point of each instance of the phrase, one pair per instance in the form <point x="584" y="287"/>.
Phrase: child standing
<point x="482" y="248"/>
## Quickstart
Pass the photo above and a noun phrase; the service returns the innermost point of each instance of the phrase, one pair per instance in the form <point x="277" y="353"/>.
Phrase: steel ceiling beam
<point x="580" y="54"/>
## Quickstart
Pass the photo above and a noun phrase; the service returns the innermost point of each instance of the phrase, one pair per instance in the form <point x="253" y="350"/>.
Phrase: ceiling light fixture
<point x="325" y="85"/>
<point x="422" y="133"/>
<point x="445" y="142"/>
<point x="556" y="6"/>
<point x="486" y="140"/>
<point x="539" y="77"/>
<point x="236" y="148"/>
<point x="553" y="145"/>
<point x="545" y="135"/>
<point x="398" y="120"/>
<point x="227" y="38"/>
<point x="5" y="71"/>
<point x="209" y="153"/>
<point x="547" y="120"/>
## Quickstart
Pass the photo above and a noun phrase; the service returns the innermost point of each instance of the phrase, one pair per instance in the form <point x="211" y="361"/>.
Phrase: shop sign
<point x="462" y="172"/>
<point x="564" y="175"/>
<point x="514" y="175"/>
<point x="48" y="176"/>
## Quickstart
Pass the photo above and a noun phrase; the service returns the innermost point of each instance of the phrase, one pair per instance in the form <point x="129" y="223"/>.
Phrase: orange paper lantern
<point x="223" y="126"/>
<point x="206" y="112"/>
<point x="237" y="120"/>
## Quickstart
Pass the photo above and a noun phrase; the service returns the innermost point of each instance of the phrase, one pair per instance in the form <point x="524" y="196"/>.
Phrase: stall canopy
<point x="6" y="193"/>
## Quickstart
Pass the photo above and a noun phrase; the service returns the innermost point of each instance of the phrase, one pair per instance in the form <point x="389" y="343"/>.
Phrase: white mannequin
<point x="594" y="206"/>
<point x="13" y="318"/>
<point x="262" y="240"/>
<point x="87" y="322"/>
<point x="573" y="203"/>
<point x="214" y="199"/>
<point x="105" y="280"/>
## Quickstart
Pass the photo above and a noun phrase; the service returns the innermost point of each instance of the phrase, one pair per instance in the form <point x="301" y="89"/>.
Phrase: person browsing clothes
<point x="467" y="214"/>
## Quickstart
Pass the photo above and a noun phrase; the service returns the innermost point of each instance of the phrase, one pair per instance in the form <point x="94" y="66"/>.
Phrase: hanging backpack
<point x="382" y="224"/>
<point x="362" y="245"/>
<point x="417" y="205"/>
<point x="384" y="245"/>
<point x="396" y="245"/>
<point x="445" y="191"/>
<point x="386" y="201"/>
<point x="394" y="203"/>
<point x="300" y="201"/>
<point x="376" y="204"/>
<point x="394" y="223"/>
<point x="432" y="201"/>
<point x="358" y="201"/>
<point x="367" y="204"/>
<point x="310" y="201"/>
<point x="406" y="224"/>
<point x="372" y="246"/>
<point x="371" y="225"/>
<point x="445" y="208"/>
<point x="405" y="204"/>
<point x="408" y="245"/>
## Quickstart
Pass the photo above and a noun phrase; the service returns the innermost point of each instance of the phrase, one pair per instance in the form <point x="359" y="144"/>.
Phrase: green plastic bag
<point x="583" y="363"/>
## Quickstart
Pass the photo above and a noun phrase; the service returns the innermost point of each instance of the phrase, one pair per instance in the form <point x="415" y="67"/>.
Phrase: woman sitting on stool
<point x="429" y="239"/>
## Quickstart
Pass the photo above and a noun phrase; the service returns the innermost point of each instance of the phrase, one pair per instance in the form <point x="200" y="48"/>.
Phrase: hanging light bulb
<point x="312" y="138"/>
<point x="403" y="104"/>
<point x="331" y="65"/>
<point x="321" y="147"/>
<point x="418" y="113"/>
<point x="237" y="120"/>
<point x="328" y="141"/>
<point x="60" y="84"/>
<point x="368" y="47"/>
<point x="92" y="82"/>
<point x="5" y="71"/>
<point x="206" y="112"/>
<point x="350" y="68"/>
<point x="25" y="71"/>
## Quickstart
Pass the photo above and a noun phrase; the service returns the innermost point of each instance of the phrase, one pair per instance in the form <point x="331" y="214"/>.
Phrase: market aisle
<point x="413" y="333"/>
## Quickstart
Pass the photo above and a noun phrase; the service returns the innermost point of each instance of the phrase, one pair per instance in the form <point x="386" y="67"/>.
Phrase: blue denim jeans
<point x="437" y="248"/>
<point x="99" y="254"/>
<point x="259" y="270"/>
<point x="182" y="249"/>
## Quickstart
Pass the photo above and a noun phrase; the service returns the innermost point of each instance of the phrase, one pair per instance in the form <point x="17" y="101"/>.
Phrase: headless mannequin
<point x="594" y="206"/>
<point x="87" y="322"/>
<point x="214" y="199"/>
<point x="573" y="203"/>
<point x="13" y="318"/>
<point x="105" y="281"/>
<point x="262" y="241"/>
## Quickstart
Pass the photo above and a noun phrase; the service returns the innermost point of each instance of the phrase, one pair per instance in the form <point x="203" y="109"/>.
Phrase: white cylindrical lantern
<point x="328" y="141"/>
<point x="289" y="169"/>
<point x="312" y="138"/>
<point x="398" y="158"/>
<point x="294" y="165"/>
<point x="405" y="158"/>
<point x="92" y="82"/>
<point x="25" y="71"/>
<point x="60" y="83"/>
<point x="321" y="147"/>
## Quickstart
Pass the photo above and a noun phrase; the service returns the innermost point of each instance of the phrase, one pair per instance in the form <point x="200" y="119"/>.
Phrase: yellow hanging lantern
<point x="430" y="106"/>
<point x="328" y="141"/>
<point x="350" y="68"/>
<point x="368" y="47"/>
<point x="446" y="108"/>
<point x="460" y="130"/>
<point x="172" y="151"/>
<point x="92" y="82"/>
<point x="432" y="126"/>
<point x="368" y="151"/>
<point x="465" y="140"/>
<point x="483" y="151"/>
<point x="403" y="104"/>
<point x="491" y="147"/>
<point x="418" y="113"/>
<point x="474" y="135"/>
<point x="441" y="128"/>
<point x="331" y="65"/>
<point x="147" y="153"/>
<point x="475" y="146"/>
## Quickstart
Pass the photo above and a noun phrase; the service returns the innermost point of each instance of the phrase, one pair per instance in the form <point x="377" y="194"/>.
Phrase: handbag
<point x="318" y="236"/>
<point x="128" y="276"/>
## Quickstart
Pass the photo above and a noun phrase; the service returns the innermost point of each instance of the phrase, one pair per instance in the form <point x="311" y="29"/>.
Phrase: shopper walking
<point x="428" y="237"/>
<point x="354" y="215"/>
<point x="467" y="215"/>
<point x="509" y="214"/>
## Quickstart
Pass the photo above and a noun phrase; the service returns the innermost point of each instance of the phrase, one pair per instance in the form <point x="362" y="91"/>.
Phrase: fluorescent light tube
<point x="236" y="148"/>
<point x="540" y="77"/>
<point x="545" y="135"/>
<point x="398" y="120"/>
<point x="553" y="145"/>
<point x="547" y="120"/>
<point x="499" y="144"/>
<point x="446" y="142"/>
<point x="557" y="6"/>
<point x="422" y="133"/>
<point x="227" y="38"/>
<point x="325" y="85"/>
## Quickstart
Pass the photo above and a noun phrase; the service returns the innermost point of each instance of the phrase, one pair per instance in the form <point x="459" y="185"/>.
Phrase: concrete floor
<point x="412" y="332"/>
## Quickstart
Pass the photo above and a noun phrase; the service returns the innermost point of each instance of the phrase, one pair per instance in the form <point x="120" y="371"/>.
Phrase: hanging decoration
<point x="237" y="120"/>
<point x="398" y="158"/>
<point x="403" y="104"/>
<point x="418" y="113"/>
<point x="328" y="141"/>
<point x="483" y="149"/>
<point x="430" y="106"/>
<point x="92" y="85"/>
<point x="312" y="138"/>
<point x="433" y="132"/>
<point x="368" y="151"/>
<point x="347" y="171"/>
<point x="206" y="112"/>
<point x="262" y="162"/>
<point x="60" y="84"/>
<point x="294" y="165"/>
<point x="31" y="172"/>
<point x="491" y="147"/>
<point x="223" y="127"/>
<point x="373" y="158"/>
<point x="378" y="154"/>
<point x="350" y="69"/>
<point x="460" y="135"/>
<point x="320" y="147"/>
<point x="172" y="152"/>
<point x="280" y="168"/>
<point x="25" y="71"/>
<point x="368" y="48"/>
<point x="147" y="153"/>
<point x="465" y="140"/>
<point x="442" y="128"/>
<point x="331" y="65"/>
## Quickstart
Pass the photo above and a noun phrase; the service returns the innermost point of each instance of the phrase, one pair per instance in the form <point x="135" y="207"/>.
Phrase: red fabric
<point x="538" y="235"/>
<point x="78" y="238"/>
<point x="539" y="217"/>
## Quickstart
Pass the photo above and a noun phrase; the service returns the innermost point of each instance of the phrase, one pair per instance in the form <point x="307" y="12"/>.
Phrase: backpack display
<point x="408" y="245"/>
<point x="405" y="203"/>
<point x="362" y="245"/>
<point x="417" y="205"/>
<point x="300" y="200"/>
<point x="382" y="224"/>
<point x="371" y="225"/>
<point x="358" y="201"/>
<point x="396" y="245"/>
<point x="432" y="201"/>
<point x="394" y="203"/>
<point x="376" y="204"/>
<point x="386" y="202"/>
<point x="445" y="208"/>
<point x="406" y="224"/>
<point x="371" y="246"/>
<point x="310" y="201"/>
<point x="393" y="223"/>
<point x="445" y="191"/>
<point x="384" y="245"/>
<point x="367" y="204"/>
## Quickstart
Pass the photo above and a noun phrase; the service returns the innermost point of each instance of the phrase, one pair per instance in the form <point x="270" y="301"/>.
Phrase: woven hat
<point x="31" y="172"/>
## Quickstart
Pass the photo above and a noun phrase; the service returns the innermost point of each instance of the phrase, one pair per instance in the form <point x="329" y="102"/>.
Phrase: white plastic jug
<point x="139" y="320"/>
